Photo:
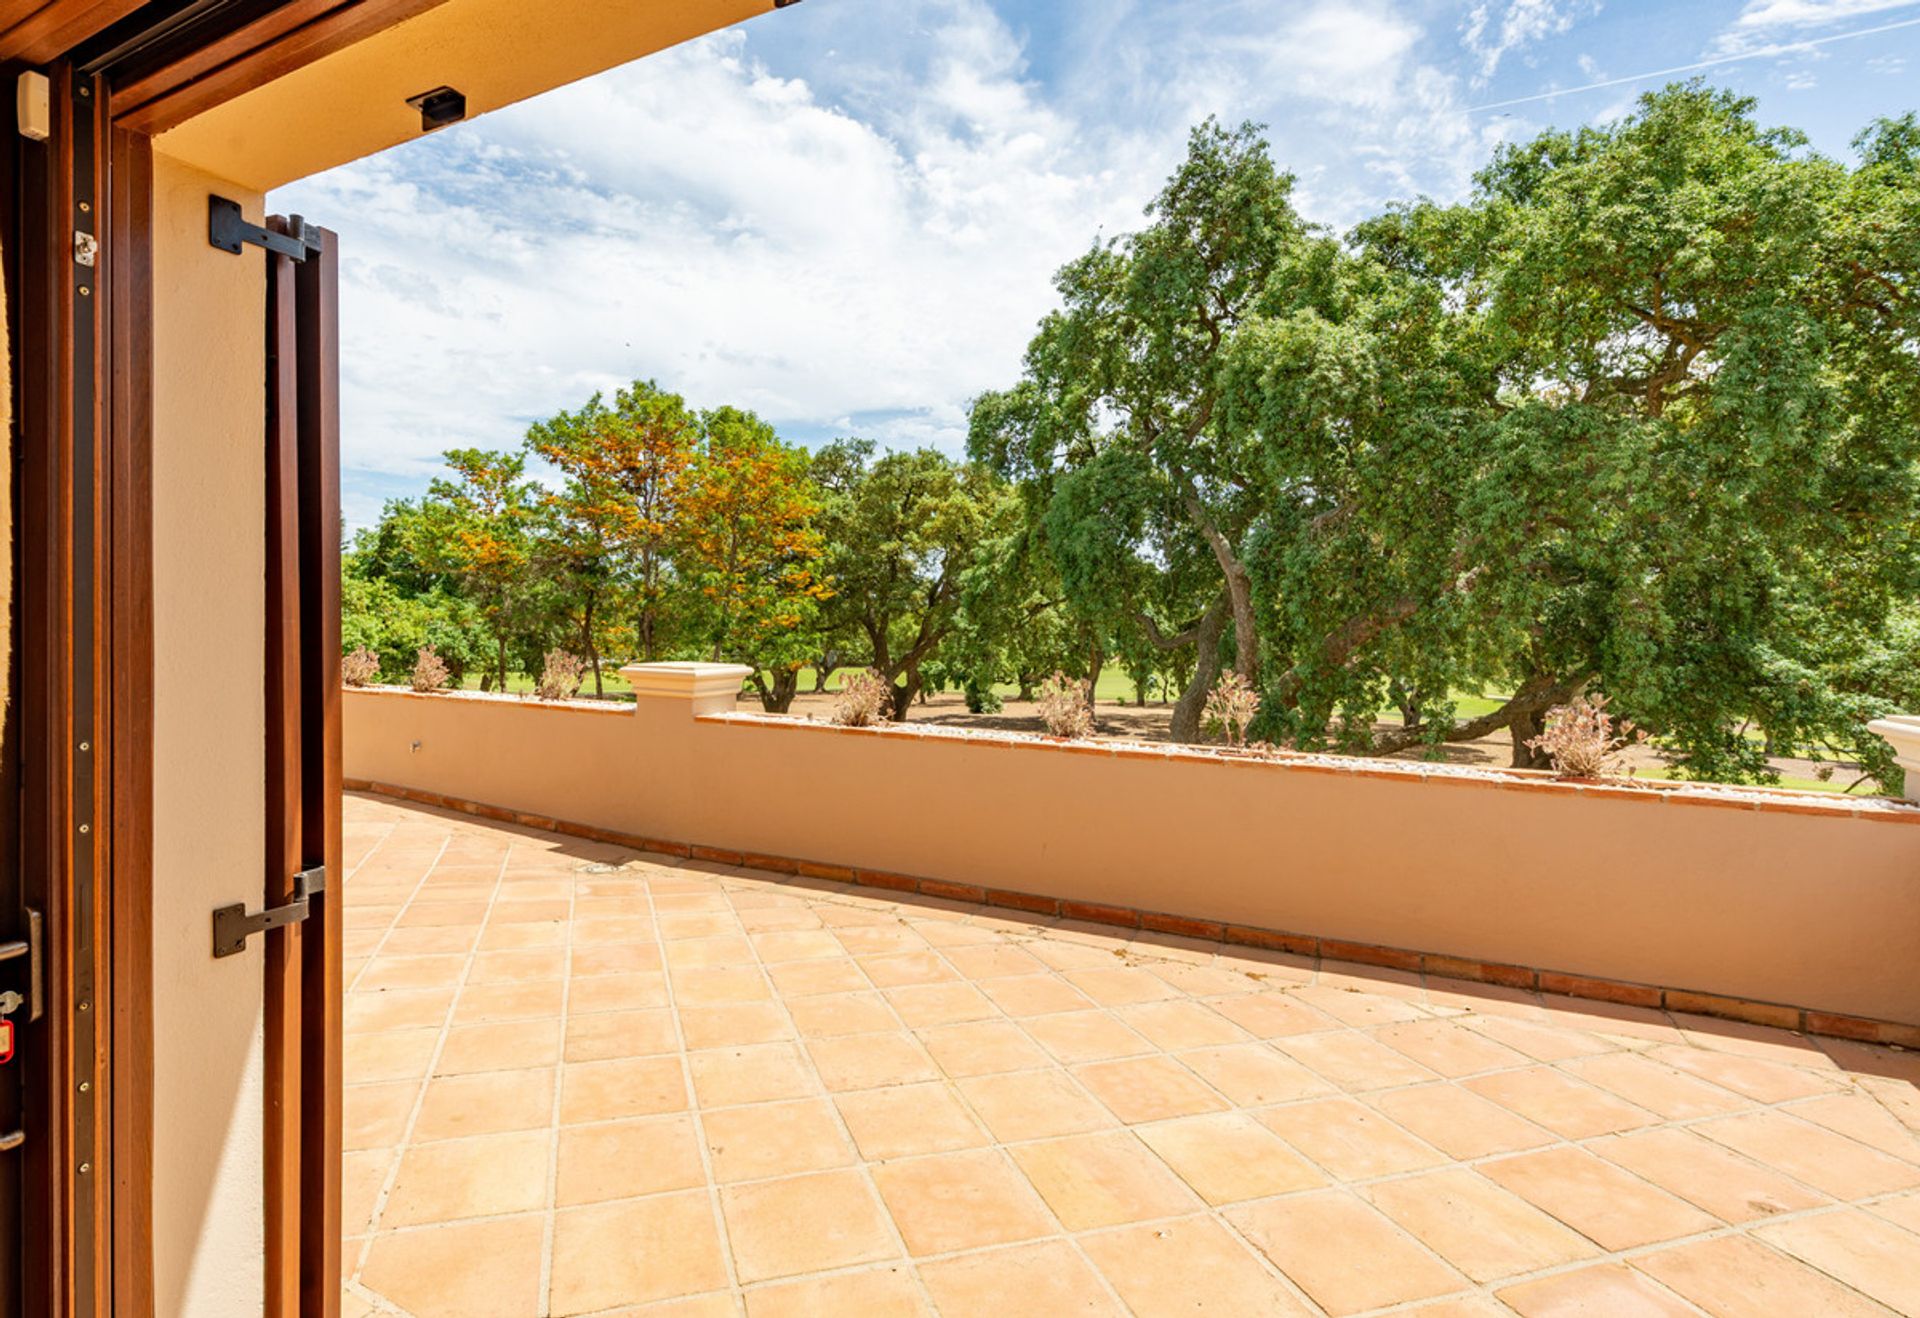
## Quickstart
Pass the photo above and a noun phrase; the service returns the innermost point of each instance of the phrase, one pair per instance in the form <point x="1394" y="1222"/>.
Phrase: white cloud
<point x="1761" y="23"/>
<point x="857" y="247"/>
<point x="1492" y="36"/>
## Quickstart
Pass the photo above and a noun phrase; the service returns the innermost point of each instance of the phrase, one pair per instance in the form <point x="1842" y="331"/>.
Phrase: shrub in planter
<point x="1581" y="739"/>
<point x="359" y="667"/>
<point x="560" y="676"/>
<point x="1231" y="706"/>
<point x="429" y="673"/>
<point x="1064" y="708"/>
<point x="865" y="700"/>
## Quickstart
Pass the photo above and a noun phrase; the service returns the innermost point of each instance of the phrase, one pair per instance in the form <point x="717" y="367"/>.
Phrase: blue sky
<point x="845" y="214"/>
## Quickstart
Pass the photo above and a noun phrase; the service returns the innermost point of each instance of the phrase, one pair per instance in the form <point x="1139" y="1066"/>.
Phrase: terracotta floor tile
<point x="468" y="1270"/>
<point x="993" y="960"/>
<point x="410" y="972"/>
<point x="612" y="959"/>
<point x="1459" y="1122"/>
<point x="489" y="1103"/>
<point x="363" y="1175"/>
<point x="841" y="1013"/>
<point x="1731" y="1187"/>
<point x="890" y="938"/>
<point x="1118" y="986"/>
<point x="1086" y="1036"/>
<point x="800" y="979"/>
<point x="423" y="942"/>
<point x="1874" y="1257"/>
<point x="1138" y="1089"/>
<point x="623" y="1087"/>
<point x="982" y="1048"/>
<point x="1316" y="1238"/>
<point x="1352" y="1061"/>
<point x="1228" y="1157"/>
<point x="1048" y="1278"/>
<point x="902" y="1120"/>
<point x="1611" y="1207"/>
<point x="1474" y="1306"/>
<point x="1543" y="1043"/>
<point x="1272" y="1015"/>
<point x="1205" y="981"/>
<point x="805" y="1224"/>
<point x="647" y="988"/>
<point x="1254" y="1074"/>
<point x="868" y="1061"/>
<point x="758" y="1073"/>
<point x="1861" y="1117"/>
<point x="1103" y="1180"/>
<point x="486" y="1177"/>
<point x="907" y="968"/>
<point x="1760" y="1080"/>
<point x="1174" y="1026"/>
<point x="694" y="953"/>
<point x="1659" y="1088"/>
<point x="1034" y="995"/>
<point x="1832" y="1163"/>
<point x="428" y="915"/>
<point x="1359" y="1008"/>
<point x="1608" y="1290"/>
<point x="1348" y="1139"/>
<point x="775" y="1139"/>
<point x="500" y="937"/>
<point x="1738" y="1277"/>
<point x="605" y="1035"/>
<point x="876" y="1293"/>
<point x="397" y="1009"/>
<point x="630" y="1253"/>
<point x="626" y="1159"/>
<point x="1569" y="1108"/>
<point x="1448" y="1049"/>
<point x="1475" y="1225"/>
<point x="731" y="1026"/>
<point x="787" y="945"/>
<point x="1901" y="1210"/>
<point x="389" y="1055"/>
<point x="710" y="985"/>
<point x="956" y="1201"/>
<point x="922" y="1006"/>
<point x="1192" y="1265"/>
<point x="1033" y="1105"/>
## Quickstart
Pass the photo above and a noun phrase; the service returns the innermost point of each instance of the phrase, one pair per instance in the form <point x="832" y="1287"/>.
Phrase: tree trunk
<point x="593" y="656"/>
<point x="778" y="698"/>
<point x="903" y="696"/>
<point x="1527" y="724"/>
<point x="1095" y="662"/>
<point x="1206" y="671"/>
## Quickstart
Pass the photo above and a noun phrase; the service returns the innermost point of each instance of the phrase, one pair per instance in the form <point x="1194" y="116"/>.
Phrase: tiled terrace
<point x="586" y="1081"/>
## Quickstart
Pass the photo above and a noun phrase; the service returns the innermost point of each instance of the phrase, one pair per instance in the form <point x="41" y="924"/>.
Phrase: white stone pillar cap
<point x="685" y="681"/>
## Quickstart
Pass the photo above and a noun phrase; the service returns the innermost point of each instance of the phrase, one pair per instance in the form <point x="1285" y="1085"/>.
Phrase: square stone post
<point x="1903" y="730"/>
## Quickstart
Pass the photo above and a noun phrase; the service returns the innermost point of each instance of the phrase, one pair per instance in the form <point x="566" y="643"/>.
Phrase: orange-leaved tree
<point x="476" y="528"/>
<point x="746" y="542"/>
<point x="626" y="467"/>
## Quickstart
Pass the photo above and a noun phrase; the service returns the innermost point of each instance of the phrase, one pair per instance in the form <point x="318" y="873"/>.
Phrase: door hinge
<point x="233" y="926"/>
<point x="229" y="231"/>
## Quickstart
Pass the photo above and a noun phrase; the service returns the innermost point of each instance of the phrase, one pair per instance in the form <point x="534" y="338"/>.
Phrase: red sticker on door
<point x="6" y="1041"/>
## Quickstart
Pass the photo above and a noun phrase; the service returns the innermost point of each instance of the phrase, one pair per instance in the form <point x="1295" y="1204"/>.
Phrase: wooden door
<point x="302" y="668"/>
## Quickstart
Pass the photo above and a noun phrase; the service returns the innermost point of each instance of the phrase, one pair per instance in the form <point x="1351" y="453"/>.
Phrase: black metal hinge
<point x="229" y="231"/>
<point x="232" y="926"/>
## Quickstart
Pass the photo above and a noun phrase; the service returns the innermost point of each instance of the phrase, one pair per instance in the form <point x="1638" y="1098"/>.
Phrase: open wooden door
<point x="303" y="860"/>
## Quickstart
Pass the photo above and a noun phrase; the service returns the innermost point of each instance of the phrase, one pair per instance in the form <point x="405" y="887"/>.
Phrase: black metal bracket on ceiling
<point x="227" y="230"/>
<point x="232" y="926"/>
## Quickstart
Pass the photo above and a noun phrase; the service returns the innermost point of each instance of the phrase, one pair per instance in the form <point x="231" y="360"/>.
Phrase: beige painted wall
<point x="209" y="568"/>
<point x="1811" y="910"/>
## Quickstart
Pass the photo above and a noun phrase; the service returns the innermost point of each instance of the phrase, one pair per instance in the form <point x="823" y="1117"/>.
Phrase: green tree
<point x="477" y="529"/>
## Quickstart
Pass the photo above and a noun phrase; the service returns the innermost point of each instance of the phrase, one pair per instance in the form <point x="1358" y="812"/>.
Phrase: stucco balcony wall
<point x="1765" y="898"/>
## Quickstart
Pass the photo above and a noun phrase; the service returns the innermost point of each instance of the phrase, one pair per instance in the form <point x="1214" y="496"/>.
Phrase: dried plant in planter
<point x="429" y="671"/>
<point x="1064" y="707"/>
<point x="560" y="676"/>
<point x="359" y="667"/>
<point x="1231" y="707"/>
<point x="865" y="699"/>
<point x="1582" y="740"/>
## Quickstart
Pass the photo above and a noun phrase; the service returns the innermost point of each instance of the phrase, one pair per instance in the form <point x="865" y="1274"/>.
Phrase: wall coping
<point x="700" y="683"/>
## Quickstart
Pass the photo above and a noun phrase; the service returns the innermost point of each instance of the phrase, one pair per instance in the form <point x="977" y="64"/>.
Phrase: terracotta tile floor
<point x="584" y="1081"/>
